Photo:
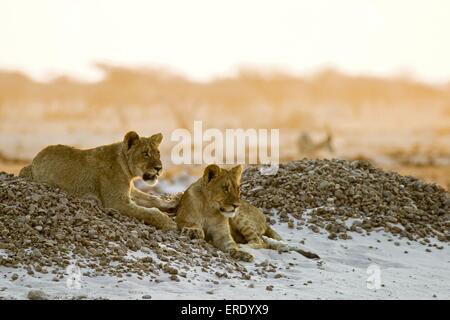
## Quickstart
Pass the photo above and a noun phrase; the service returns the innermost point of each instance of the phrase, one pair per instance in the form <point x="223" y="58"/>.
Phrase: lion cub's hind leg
<point x="250" y="235"/>
<point x="252" y="238"/>
<point x="246" y="231"/>
<point x="222" y="239"/>
<point x="269" y="240"/>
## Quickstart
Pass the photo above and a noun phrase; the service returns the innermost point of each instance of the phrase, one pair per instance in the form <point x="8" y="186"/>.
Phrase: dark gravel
<point x="325" y="194"/>
<point x="43" y="230"/>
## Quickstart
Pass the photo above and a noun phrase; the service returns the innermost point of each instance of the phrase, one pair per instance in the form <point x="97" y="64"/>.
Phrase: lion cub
<point x="211" y="209"/>
<point x="206" y="206"/>
<point x="105" y="173"/>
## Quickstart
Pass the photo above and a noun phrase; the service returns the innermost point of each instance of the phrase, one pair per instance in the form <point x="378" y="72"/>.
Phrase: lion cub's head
<point x="143" y="157"/>
<point x="221" y="188"/>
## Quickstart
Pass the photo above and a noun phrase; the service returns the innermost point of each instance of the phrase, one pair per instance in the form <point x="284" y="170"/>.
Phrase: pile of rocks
<point x="342" y="196"/>
<point x="43" y="229"/>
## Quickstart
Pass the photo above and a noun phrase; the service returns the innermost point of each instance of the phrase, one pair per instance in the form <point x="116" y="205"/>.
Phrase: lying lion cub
<point x="105" y="174"/>
<point x="206" y="206"/>
<point x="211" y="209"/>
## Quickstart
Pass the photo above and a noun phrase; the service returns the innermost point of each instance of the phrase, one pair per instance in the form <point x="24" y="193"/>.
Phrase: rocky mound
<point x="43" y="229"/>
<point x="340" y="197"/>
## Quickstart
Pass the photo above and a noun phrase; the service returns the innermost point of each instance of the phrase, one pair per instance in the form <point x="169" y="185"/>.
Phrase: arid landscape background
<point x="398" y="123"/>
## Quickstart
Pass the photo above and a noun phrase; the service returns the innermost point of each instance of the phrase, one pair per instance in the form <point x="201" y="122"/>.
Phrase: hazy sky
<point x="204" y="38"/>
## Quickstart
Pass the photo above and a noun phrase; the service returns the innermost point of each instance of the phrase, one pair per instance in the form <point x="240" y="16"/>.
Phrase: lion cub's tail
<point x="26" y="173"/>
<point x="280" y="245"/>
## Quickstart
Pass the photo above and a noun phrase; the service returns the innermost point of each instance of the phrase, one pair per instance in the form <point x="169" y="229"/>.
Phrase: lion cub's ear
<point x="237" y="172"/>
<point x="131" y="139"/>
<point x="211" y="172"/>
<point x="157" y="138"/>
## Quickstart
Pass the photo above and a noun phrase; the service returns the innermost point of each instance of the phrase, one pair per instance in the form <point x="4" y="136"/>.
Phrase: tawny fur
<point x="204" y="205"/>
<point x="249" y="225"/>
<point x="104" y="173"/>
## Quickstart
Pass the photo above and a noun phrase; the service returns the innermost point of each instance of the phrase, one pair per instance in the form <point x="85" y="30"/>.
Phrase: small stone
<point x="37" y="295"/>
<point x="174" y="277"/>
<point x="332" y="236"/>
<point x="36" y="197"/>
<point x="170" y="270"/>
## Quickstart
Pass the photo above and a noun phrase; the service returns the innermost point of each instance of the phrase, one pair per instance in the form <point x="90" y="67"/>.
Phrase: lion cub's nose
<point x="158" y="168"/>
<point x="236" y="205"/>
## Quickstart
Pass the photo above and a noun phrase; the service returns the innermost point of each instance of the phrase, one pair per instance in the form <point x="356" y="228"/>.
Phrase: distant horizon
<point x="202" y="39"/>
<point x="234" y="73"/>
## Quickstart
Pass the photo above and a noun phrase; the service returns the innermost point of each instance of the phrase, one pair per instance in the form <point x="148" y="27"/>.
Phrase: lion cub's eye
<point x="146" y="154"/>
<point x="225" y="188"/>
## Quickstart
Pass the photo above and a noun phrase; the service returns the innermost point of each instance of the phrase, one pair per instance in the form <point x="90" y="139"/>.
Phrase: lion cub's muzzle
<point x="229" y="211"/>
<point x="151" y="177"/>
<point x="148" y="177"/>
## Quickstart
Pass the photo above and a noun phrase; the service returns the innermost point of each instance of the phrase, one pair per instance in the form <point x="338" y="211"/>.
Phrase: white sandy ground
<point x="340" y="274"/>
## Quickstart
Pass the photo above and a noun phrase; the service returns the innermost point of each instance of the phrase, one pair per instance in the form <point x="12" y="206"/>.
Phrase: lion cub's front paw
<point x="172" y="204"/>
<point x="166" y="223"/>
<point x="193" y="233"/>
<point x="170" y="226"/>
<point x="241" y="255"/>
